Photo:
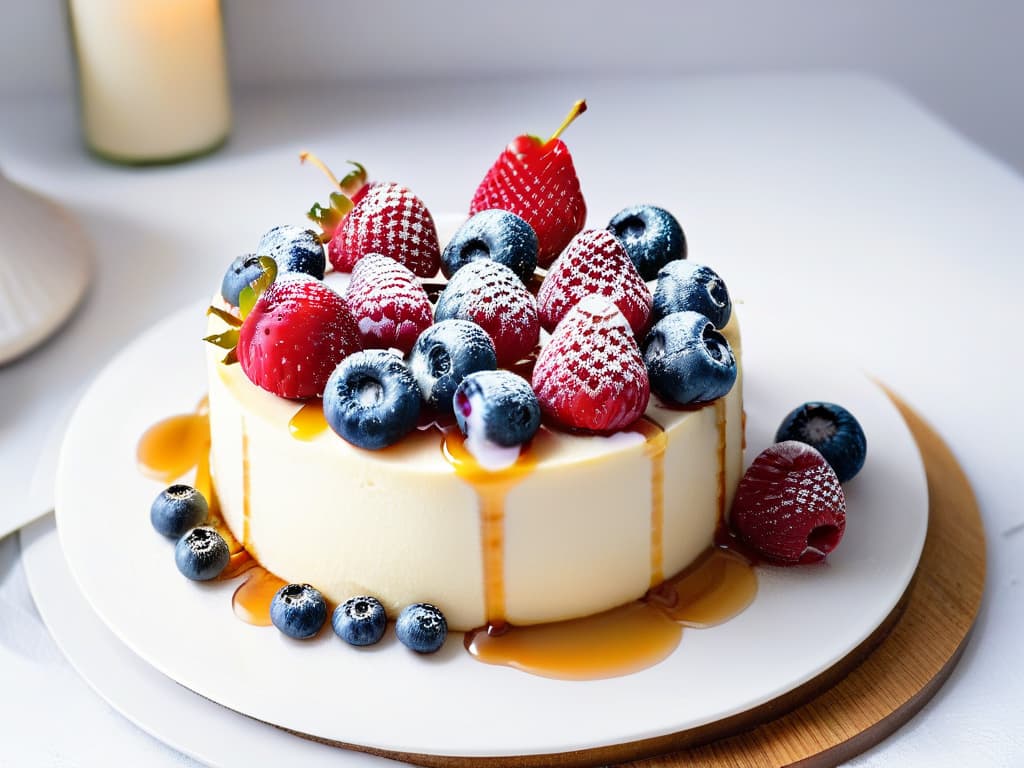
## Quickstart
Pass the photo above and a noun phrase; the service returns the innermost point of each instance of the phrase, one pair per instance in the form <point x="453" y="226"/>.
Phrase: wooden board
<point x="864" y="698"/>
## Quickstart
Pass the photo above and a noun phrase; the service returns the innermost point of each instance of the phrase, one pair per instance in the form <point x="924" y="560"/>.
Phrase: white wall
<point x="963" y="59"/>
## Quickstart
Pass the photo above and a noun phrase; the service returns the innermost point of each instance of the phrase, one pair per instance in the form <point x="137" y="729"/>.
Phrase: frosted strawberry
<point x="590" y="375"/>
<point x="295" y="335"/>
<point x="789" y="505"/>
<point x="351" y="189"/>
<point x="536" y="180"/>
<point x="389" y="304"/>
<point x="594" y="263"/>
<point x="492" y="296"/>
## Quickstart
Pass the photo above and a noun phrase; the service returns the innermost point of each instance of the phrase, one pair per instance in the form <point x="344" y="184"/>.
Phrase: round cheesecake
<point x="578" y="525"/>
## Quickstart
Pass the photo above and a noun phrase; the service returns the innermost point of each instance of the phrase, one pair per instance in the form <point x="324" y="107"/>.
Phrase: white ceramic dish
<point x="802" y="622"/>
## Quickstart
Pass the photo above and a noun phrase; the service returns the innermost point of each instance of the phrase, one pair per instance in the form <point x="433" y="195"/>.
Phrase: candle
<point x="152" y="76"/>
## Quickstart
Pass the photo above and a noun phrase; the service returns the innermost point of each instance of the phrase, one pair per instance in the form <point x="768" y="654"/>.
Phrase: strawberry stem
<point x="305" y="155"/>
<point x="577" y="109"/>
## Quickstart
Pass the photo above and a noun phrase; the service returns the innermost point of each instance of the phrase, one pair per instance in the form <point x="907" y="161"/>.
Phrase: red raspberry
<point x="789" y="505"/>
<point x="390" y="220"/>
<point x="389" y="304"/>
<point x="295" y="336"/>
<point x="594" y="263"/>
<point x="590" y="375"/>
<point x="492" y="296"/>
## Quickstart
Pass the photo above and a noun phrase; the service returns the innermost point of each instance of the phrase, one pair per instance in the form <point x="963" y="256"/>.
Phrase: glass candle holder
<point x="152" y="74"/>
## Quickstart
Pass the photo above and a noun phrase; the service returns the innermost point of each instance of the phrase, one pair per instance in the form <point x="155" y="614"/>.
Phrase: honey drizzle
<point x="655" y="445"/>
<point x="173" y="446"/>
<point x="309" y="421"/>
<point x="246" y="486"/>
<point x="720" y="423"/>
<point x="251" y="601"/>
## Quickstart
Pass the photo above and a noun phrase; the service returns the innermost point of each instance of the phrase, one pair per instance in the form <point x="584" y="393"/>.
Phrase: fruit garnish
<point x="294" y="337"/>
<point x="535" y="179"/>
<point x="360" y="620"/>
<point x="789" y="505"/>
<point x="176" y="509"/>
<point x="685" y="286"/>
<point x="651" y="236"/>
<point x="594" y="263"/>
<point x="492" y="296"/>
<point x="298" y="610"/>
<point x="421" y="627"/>
<point x="390" y="220"/>
<point x="590" y="376"/>
<point x="247" y="296"/>
<point x="201" y="554"/>
<point x="688" y="361"/>
<point x="444" y="355"/>
<point x="497" y="235"/>
<point x="389" y="304"/>
<point x="294" y="249"/>
<point x="496" y="411"/>
<point x="372" y="399"/>
<point x="350" y="189"/>
<point x="832" y="431"/>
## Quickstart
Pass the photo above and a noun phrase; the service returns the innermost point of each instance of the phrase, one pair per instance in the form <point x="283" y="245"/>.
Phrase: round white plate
<point x="802" y="622"/>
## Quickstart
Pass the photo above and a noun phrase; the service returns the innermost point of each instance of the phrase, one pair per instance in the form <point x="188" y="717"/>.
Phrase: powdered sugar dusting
<point x="595" y="263"/>
<point x="388" y="302"/>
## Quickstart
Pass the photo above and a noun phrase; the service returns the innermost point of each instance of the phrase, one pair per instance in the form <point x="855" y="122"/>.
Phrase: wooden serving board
<point x="862" y="699"/>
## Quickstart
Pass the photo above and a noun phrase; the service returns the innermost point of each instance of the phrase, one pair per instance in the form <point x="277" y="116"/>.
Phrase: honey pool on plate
<point x="632" y="637"/>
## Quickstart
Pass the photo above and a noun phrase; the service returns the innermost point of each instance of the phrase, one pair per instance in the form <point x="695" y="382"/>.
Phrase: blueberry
<point x="421" y="627"/>
<point x="295" y="249"/>
<point x="201" y="554"/>
<point x="501" y="403"/>
<point x="372" y="399"/>
<point x="360" y="621"/>
<point x="242" y="271"/>
<point x="685" y="286"/>
<point x="445" y="354"/>
<point x="177" y="509"/>
<point x="298" y="610"/>
<point x="496" y="235"/>
<point x="652" y="237"/>
<point x="833" y="431"/>
<point x="688" y="361"/>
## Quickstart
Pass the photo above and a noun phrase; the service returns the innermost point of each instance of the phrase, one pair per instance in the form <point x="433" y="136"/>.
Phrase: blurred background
<point x="961" y="59"/>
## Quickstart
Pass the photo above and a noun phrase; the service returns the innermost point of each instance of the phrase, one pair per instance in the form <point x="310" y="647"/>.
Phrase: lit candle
<point x="153" y="78"/>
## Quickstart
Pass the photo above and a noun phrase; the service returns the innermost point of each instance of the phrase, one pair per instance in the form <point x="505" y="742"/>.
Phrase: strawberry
<point x="789" y="506"/>
<point x="295" y="335"/>
<point x="536" y="180"/>
<point x="390" y="220"/>
<point x="594" y="263"/>
<point x="590" y="375"/>
<point x="492" y="296"/>
<point x="389" y="304"/>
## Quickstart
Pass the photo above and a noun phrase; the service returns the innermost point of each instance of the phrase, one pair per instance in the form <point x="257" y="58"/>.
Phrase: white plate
<point x="803" y="621"/>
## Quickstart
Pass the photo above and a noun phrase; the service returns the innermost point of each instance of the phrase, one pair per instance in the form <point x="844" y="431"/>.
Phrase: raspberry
<point x="590" y="375"/>
<point x="390" y="306"/>
<point x="789" y="506"/>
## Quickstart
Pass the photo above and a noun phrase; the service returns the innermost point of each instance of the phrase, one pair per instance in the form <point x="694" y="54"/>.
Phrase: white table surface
<point x="878" y="231"/>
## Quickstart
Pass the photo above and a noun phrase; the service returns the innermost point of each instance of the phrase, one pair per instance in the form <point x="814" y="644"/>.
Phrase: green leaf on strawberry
<point x="248" y="296"/>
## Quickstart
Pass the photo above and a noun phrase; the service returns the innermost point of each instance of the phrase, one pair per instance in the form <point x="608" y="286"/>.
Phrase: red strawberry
<point x="594" y="262"/>
<point x="389" y="304"/>
<point x="390" y="220"/>
<point x="294" y="337"/>
<point x="590" y="374"/>
<point x="492" y="296"/>
<point x="789" y="505"/>
<point x="536" y="180"/>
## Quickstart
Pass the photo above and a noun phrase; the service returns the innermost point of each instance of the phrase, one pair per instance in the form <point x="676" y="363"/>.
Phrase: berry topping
<point x="421" y="627"/>
<point x="789" y="505"/>
<point x="833" y="431"/>
<point x="241" y="272"/>
<point x="594" y="263"/>
<point x="351" y="189"/>
<point x="372" y="400"/>
<point x="360" y="621"/>
<point x="294" y="337"/>
<point x="177" y="509"/>
<point x="447" y="353"/>
<point x="590" y="375"/>
<point x="497" y="235"/>
<point x="490" y="295"/>
<point x="688" y="361"/>
<point x="496" y="408"/>
<point x="201" y="554"/>
<point x="685" y="286"/>
<point x="390" y="220"/>
<point x="388" y="302"/>
<point x="536" y="180"/>
<point x="298" y="610"/>
<point x="294" y="249"/>
<point x="652" y="237"/>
